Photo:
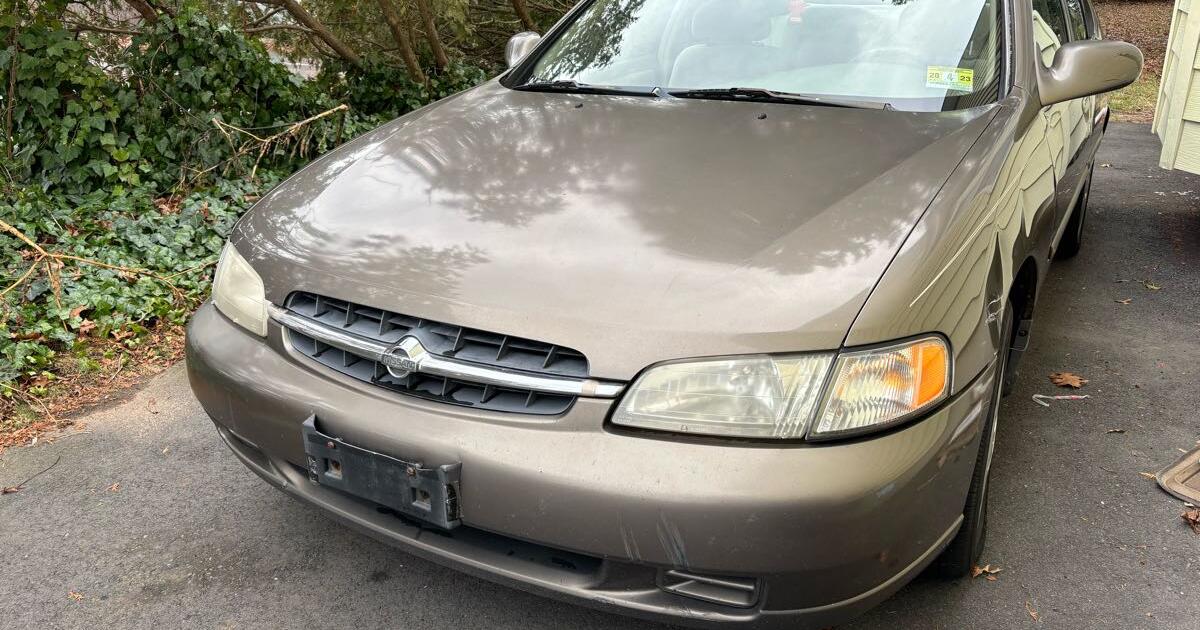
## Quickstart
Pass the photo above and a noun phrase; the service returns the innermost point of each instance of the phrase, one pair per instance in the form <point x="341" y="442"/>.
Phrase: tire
<point x="963" y="552"/>
<point x="1072" y="238"/>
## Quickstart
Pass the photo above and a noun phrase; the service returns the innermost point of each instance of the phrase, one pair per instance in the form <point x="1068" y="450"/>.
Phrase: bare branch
<point x="10" y="101"/>
<point x="79" y="28"/>
<point x="53" y="263"/>
<point x="523" y="14"/>
<point x="431" y="35"/>
<point x="278" y="27"/>
<point x="268" y="15"/>
<point x="144" y="9"/>
<point x="263" y="144"/>
<point x="320" y="30"/>
<point x="400" y="34"/>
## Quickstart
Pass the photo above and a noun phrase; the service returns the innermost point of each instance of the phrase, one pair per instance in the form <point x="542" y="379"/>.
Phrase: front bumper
<point x="571" y="508"/>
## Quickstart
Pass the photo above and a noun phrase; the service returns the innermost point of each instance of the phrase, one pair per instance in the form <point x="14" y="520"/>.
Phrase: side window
<point x="1049" y="28"/>
<point x="1078" y="23"/>
<point x="1093" y="24"/>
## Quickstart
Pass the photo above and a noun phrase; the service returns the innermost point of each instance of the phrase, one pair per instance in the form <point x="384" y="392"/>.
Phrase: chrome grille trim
<point x="372" y="350"/>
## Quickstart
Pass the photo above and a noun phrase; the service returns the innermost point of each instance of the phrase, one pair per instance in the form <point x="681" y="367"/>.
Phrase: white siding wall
<point x="1177" y="116"/>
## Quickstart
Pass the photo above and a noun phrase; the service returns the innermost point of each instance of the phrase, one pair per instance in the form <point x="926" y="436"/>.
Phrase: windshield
<point x="916" y="55"/>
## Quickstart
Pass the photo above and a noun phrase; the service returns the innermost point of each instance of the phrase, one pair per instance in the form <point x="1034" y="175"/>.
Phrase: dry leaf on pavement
<point x="1067" y="379"/>
<point x="75" y="595"/>
<point x="1125" y="301"/>
<point x="1150" y="285"/>
<point x="1115" y="431"/>
<point x="986" y="571"/>
<point x="1033" y="614"/>
<point x="1192" y="518"/>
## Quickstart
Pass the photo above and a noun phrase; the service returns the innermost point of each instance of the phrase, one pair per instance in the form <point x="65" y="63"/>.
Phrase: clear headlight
<point x="238" y="292"/>
<point x="875" y="388"/>
<point x="755" y="396"/>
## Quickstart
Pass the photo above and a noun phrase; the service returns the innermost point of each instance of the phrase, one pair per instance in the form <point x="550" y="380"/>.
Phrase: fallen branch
<point x="191" y="269"/>
<point x="21" y="486"/>
<point x="21" y="235"/>
<point x="21" y="280"/>
<point x="32" y="400"/>
<point x="53" y="262"/>
<point x="264" y="144"/>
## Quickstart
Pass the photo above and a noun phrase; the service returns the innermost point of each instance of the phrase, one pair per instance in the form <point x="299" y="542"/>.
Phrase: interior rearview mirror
<point x="519" y="46"/>
<point x="1088" y="67"/>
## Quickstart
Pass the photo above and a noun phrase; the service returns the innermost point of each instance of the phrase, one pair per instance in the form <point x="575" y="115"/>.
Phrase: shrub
<point x="130" y="164"/>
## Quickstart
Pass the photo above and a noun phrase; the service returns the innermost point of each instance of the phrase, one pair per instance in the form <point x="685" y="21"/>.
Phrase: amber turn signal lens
<point x="875" y="388"/>
<point x="931" y="361"/>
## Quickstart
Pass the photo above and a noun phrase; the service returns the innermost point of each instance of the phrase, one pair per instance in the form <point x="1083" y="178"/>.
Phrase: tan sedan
<point x="701" y="312"/>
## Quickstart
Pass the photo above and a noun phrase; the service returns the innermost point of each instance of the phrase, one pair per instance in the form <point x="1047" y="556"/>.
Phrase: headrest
<point x="733" y="21"/>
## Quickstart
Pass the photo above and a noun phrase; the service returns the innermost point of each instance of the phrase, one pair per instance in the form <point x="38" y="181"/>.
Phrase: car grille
<point x="447" y="340"/>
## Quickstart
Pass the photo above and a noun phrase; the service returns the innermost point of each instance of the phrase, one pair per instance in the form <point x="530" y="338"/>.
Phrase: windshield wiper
<point x="575" y="87"/>
<point x="771" y="96"/>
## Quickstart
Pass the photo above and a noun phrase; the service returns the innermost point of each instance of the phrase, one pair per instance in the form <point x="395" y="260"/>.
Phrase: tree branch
<point x="400" y="34"/>
<point x="263" y="144"/>
<point x="144" y="9"/>
<point x="320" y="30"/>
<point x="523" y="14"/>
<point x="431" y="35"/>
<point x="53" y="264"/>
<point x="278" y="27"/>
<point x="78" y="28"/>
<point x="269" y="14"/>
<point x="10" y="102"/>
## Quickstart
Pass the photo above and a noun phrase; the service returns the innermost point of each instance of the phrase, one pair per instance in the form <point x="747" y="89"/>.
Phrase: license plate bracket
<point x="428" y="494"/>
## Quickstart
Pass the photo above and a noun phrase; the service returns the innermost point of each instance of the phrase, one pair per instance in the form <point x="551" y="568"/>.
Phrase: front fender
<point x="955" y="270"/>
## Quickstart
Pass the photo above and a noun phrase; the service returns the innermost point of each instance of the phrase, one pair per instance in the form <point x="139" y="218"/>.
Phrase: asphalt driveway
<point x="147" y="521"/>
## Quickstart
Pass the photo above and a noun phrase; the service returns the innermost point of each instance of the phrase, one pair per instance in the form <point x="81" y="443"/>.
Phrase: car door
<point x="1082" y="139"/>
<point x="1064" y="135"/>
<point x="1100" y="102"/>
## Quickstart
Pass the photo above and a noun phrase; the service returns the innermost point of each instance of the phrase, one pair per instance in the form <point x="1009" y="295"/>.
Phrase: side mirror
<point x="519" y="46"/>
<point x="1088" y="67"/>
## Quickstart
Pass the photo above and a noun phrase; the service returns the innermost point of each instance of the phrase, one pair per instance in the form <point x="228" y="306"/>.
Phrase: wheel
<point x="963" y="552"/>
<point x="1072" y="238"/>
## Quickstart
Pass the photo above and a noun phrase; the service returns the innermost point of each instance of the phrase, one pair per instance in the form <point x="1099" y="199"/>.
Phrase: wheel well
<point x="1021" y="296"/>
<point x="1024" y="290"/>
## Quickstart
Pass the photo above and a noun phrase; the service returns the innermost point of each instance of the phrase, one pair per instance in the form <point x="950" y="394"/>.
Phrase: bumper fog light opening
<point x="737" y="592"/>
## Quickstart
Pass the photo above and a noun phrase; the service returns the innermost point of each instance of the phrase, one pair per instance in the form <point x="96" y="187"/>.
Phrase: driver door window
<point x="1078" y="23"/>
<point x="1050" y="28"/>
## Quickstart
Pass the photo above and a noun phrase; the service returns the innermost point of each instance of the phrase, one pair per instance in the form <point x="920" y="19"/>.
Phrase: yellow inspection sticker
<point x="947" y="78"/>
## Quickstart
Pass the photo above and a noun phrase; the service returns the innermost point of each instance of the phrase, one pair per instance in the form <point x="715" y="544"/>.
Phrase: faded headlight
<point x="872" y="389"/>
<point x="755" y="396"/>
<point x="238" y="292"/>
<point x="777" y="397"/>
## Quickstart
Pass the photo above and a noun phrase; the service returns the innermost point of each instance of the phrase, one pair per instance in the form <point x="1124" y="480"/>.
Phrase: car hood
<point x="632" y="229"/>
